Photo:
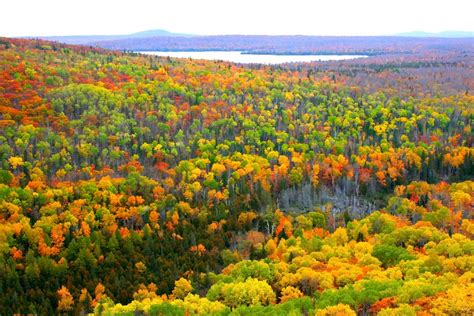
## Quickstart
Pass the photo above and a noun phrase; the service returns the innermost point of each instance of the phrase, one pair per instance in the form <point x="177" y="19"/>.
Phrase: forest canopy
<point x="133" y="183"/>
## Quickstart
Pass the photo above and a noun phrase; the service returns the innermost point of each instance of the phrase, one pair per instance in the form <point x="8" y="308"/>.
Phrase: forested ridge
<point x="141" y="184"/>
<point x="291" y="44"/>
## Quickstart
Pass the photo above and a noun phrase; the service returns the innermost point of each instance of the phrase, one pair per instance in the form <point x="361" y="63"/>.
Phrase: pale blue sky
<point x="331" y="17"/>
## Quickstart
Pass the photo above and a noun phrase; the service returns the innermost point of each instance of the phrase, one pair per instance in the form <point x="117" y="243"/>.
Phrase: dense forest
<point x="135" y="184"/>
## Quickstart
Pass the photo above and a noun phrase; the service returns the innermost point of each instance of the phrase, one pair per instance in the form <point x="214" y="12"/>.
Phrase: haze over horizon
<point x="339" y="17"/>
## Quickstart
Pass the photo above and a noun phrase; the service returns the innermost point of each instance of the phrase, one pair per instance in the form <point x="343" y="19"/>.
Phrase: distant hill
<point x="453" y="34"/>
<point x="89" y="39"/>
<point x="153" y="33"/>
<point x="288" y="44"/>
<point x="163" y="40"/>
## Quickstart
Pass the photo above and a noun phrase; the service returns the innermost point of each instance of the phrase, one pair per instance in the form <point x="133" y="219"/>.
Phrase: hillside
<point x="263" y="44"/>
<point x="133" y="184"/>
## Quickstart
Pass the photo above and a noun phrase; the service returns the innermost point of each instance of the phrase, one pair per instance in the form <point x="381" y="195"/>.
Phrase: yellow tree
<point x="181" y="288"/>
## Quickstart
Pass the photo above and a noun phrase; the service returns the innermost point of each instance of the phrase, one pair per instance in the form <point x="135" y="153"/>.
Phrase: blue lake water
<point x="238" y="57"/>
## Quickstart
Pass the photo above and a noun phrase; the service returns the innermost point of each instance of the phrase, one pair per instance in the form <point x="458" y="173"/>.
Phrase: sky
<point x="214" y="17"/>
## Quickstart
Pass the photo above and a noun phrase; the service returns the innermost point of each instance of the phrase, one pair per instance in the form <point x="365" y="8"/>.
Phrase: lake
<point x="238" y="57"/>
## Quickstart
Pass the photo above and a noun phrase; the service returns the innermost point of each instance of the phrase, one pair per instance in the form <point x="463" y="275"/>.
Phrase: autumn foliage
<point x="137" y="184"/>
